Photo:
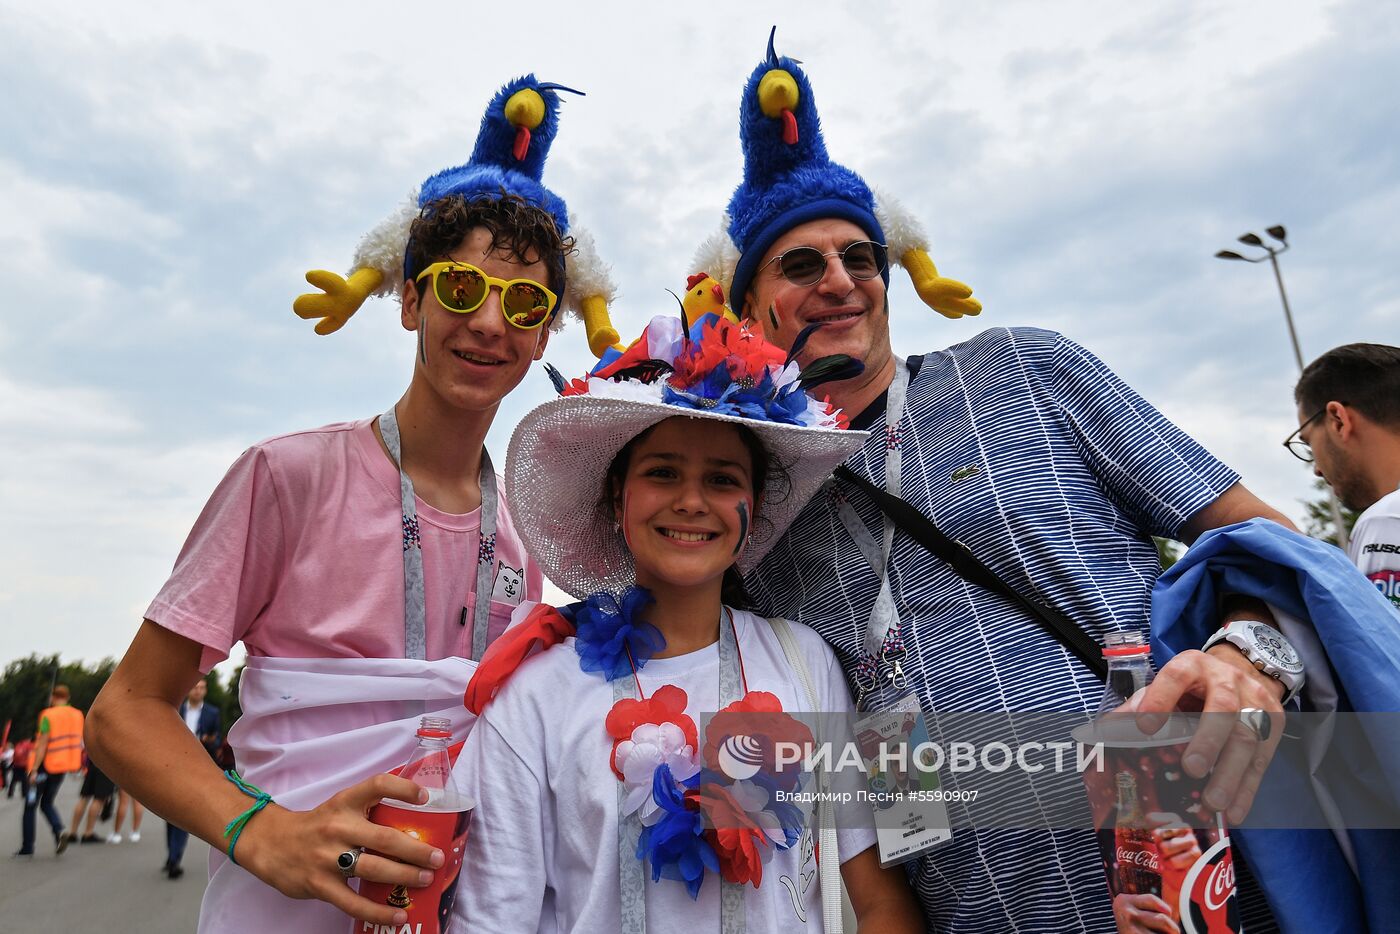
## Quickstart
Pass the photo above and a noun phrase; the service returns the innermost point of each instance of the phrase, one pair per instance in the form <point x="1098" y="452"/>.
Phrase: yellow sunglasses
<point x="461" y="287"/>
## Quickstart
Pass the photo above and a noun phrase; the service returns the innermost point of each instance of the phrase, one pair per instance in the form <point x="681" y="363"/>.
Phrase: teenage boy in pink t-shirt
<point x="363" y="565"/>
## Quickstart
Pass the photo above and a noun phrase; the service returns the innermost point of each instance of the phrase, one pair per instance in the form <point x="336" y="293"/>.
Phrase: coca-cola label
<point x="1138" y="856"/>
<point x="1208" y="895"/>
<point x="1156" y="839"/>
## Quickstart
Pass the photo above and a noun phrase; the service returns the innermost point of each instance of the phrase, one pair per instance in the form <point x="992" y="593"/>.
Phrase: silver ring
<point x="347" y="861"/>
<point x="1258" y="722"/>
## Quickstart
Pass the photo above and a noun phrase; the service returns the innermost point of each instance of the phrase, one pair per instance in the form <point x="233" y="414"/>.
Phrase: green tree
<point x="1317" y="519"/>
<point x="225" y="697"/>
<point x="26" y="683"/>
<point x="25" y="687"/>
<point x="1168" y="551"/>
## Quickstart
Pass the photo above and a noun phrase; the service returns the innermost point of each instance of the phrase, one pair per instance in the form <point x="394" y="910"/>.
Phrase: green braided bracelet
<point x="235" y="827"/>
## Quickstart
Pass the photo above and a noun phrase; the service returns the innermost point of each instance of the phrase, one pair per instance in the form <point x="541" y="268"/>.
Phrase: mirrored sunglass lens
<point x="526" y="305"/>
<point x="460" y="289"/>
<point x="803" y="266"/>
<point x="863" y="260"/>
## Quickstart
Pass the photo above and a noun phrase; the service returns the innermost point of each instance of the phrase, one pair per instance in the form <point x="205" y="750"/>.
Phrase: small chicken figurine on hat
<point x="704" y="296"/>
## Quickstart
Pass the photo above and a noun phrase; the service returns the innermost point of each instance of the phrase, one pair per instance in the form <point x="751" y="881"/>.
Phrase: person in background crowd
<point x="19" y="768"/>
<point x="205" y="722"/>
<point x="58" y="752"/>
<point x="1349" y="429"/>
<point x="92" y="800"/>
<point x="125" y="803"/>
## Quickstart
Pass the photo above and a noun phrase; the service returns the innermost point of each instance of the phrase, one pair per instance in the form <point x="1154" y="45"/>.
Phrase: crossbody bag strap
<point x="922" y="530"/>
<point x="829" y="860"/>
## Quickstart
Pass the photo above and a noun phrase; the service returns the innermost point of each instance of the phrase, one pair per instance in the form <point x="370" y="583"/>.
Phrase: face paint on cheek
<point x="743" y="525"/>
<point x="773" y="318"/>
<point x="422" y="329"/>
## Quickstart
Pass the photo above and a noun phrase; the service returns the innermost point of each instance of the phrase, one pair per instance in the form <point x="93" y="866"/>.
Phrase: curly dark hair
<point x="524" y="232"/>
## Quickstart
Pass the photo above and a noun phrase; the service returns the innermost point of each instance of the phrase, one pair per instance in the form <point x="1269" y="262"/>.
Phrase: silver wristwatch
<point x="1267" y="649"/>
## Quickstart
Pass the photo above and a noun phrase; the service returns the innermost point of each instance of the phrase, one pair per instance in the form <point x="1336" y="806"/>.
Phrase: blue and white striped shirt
<point x="1023" y="446"/>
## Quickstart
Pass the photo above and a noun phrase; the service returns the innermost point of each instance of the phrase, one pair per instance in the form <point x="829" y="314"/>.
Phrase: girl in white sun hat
<point x="645" y="490"/>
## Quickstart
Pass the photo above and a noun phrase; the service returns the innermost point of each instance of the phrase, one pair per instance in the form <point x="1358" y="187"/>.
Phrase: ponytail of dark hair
<point x="732" y="592"/>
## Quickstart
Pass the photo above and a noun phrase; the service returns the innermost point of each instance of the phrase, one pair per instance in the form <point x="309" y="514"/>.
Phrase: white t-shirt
<point x="542" y="849"/>
<point x="192" y="717"/>
<point x="1375" y="545"/>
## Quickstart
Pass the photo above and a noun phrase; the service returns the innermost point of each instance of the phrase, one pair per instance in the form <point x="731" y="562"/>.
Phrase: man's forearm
<point x="136" y="735"/>
<point x="1236" y="504"/>
<point x="145" y="748"/>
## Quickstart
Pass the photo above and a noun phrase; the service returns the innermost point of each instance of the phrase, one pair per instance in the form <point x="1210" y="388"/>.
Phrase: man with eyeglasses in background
<point x="1021" y="446"/>
<point x="363" y="565"/>
<point x="1349" y="429"/>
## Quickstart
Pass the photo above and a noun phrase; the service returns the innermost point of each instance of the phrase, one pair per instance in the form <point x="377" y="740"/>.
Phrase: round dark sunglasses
<point x="805" y="265"/>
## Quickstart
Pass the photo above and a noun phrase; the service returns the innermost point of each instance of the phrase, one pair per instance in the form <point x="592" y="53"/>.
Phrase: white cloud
<point x="170" y="171"/>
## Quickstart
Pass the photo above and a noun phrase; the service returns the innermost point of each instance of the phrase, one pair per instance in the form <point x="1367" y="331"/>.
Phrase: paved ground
<point x="97" y="887"/>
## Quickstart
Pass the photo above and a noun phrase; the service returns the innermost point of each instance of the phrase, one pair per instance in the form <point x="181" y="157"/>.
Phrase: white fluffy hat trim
<point x="903" y="232"/>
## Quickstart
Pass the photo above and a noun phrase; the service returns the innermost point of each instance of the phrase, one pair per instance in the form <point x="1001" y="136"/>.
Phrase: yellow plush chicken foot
<point x="948" y="297"/>
<point x="338" y="299"/>
<point x="599" y="326"/>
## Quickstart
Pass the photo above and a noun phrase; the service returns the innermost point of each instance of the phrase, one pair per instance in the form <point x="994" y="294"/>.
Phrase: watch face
<point x="1270" y="644"/>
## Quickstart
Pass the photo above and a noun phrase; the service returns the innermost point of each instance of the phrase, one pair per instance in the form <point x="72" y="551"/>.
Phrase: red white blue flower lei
<point x="695" y="815"/>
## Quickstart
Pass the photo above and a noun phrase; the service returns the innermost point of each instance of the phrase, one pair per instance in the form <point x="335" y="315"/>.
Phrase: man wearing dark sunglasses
<point x="1349" y="429"/>
<point x="1020" y="445"/>
<point x="363" y="565"/>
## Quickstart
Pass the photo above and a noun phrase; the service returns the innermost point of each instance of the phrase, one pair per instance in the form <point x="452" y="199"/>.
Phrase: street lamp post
<point x="1279" y="234"/>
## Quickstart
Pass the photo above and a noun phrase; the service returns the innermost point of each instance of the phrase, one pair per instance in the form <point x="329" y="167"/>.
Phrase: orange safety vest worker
<point x="65" y="750"/>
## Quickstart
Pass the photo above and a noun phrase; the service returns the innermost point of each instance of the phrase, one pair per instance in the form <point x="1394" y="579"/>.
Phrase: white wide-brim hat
<point x="557" y="466"/>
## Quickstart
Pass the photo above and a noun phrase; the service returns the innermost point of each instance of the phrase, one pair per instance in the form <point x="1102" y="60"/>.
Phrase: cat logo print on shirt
<point x="510" y="585"/>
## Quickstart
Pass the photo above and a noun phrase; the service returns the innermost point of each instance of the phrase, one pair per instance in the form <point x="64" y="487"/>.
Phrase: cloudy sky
<point x="169" y="171"/>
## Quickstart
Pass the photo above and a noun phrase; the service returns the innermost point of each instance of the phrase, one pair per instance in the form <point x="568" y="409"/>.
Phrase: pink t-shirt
<point x="299" y="554"/>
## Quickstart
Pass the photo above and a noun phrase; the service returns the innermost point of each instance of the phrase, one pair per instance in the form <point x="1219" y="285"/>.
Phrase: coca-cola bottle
<point x="1129" y="669"/>
<point x="1137" y="863"/>
<point x="1161" y="851"/>
<point x="440" y="822"/>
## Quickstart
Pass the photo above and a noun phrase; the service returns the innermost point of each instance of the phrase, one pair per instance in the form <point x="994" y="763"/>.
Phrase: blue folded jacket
<point x="1307" y="879"/>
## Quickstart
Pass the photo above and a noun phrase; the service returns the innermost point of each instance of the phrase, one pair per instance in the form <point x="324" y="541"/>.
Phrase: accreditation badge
<point x="904" y="790"/>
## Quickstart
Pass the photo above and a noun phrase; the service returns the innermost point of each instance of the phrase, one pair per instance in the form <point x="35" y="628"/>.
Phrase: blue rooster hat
<point x="512" y="145"/>
<point x="789" y="179"/>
